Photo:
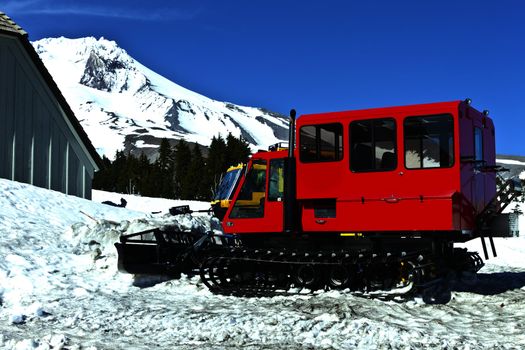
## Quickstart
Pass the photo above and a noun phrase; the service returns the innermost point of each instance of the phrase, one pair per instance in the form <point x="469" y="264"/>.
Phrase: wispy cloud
<point x="10" y="6"/>
<point x="128" y="10"/>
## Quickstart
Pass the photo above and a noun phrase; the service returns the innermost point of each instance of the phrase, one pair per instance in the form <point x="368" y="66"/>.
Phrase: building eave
<point x="10" y="28"/>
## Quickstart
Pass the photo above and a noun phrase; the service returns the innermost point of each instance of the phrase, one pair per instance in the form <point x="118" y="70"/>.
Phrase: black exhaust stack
<point x="291" y="134"/>
<point x="290" y="206"/>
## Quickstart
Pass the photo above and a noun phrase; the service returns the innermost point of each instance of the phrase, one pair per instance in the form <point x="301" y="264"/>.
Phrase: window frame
<point x="236" y="215"/>
<point x="275" y="164"/>
<point x="373" y="120"/>
<point x="339" y="147"/>
<point x="453" y="151"/>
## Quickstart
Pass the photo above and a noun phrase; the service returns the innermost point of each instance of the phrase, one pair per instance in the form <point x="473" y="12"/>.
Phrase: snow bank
<point x="57" y="248"/>
<point x="59" y="288"/>
<point x="509" y="161"/>
<point x="146" y="204"/>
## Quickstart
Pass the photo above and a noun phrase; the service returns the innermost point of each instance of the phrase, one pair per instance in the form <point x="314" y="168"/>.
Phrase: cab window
<point x="321" y="143"/>
<point x="373" y="145"/>
<point x="478" y="144"/>
<point x="276" y="182"/>
<point x="429" y="142"/>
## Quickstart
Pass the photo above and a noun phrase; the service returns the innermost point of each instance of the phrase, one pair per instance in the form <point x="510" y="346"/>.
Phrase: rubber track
<point x="251" y="272"/>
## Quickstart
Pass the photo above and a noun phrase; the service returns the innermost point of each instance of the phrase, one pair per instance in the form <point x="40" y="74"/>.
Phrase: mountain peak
<point x="123" y="104"/>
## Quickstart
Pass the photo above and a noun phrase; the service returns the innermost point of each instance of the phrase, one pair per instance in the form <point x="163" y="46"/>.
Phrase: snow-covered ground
<point x="59" y="288"/>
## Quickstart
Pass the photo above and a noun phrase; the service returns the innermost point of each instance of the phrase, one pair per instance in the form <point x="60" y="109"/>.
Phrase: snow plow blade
<point x="158" y="252"/>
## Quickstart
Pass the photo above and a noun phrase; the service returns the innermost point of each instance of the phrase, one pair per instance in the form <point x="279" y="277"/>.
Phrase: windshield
<point x="250" y="200"/>
<point x="227" y="185"/>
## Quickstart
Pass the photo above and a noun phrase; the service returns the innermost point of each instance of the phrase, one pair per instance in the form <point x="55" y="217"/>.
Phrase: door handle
<point x="320" y="221"/>
<point x="392" y="200"/>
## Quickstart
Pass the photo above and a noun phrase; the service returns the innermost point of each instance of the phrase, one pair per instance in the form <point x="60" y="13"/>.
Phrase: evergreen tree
<point x="166" y="156"/>
<point x="182" y="162"/>
<point x="177" y="173"/>
<point x="123" y="175"/>
<point x="103" y="180"/>
<point x="146" y="184"/>
<point x="216" y="163"/>
<point x="195" y="180"/>
<point x="237" y="150"/>
<point x="120" y="172"/>
<point x="132" y="173"/>
<point x="165" y="168"/>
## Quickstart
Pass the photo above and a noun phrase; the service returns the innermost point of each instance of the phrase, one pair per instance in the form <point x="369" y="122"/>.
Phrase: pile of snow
<point x="58" y="249"/>
<point x="59" y="288"/>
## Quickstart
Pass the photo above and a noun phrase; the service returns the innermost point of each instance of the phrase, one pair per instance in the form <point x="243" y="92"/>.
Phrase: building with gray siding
<point x="41" y="141"/>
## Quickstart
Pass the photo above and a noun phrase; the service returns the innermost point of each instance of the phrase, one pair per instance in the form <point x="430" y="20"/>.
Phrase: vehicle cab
<point x="258" y="204"/>
<point x="417" y="169"/>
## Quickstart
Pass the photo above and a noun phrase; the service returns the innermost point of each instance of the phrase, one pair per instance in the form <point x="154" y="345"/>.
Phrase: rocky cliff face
<point x="108" y="75"/>
<point x="122" y="104"/>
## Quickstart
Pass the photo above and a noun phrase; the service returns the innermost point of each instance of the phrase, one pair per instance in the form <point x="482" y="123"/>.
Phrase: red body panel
<point x="398" y="200"/>
<point x="386" y="200"/>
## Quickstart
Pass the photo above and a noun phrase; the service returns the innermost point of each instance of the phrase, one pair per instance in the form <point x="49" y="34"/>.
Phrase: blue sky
<point x="316" y="56"/>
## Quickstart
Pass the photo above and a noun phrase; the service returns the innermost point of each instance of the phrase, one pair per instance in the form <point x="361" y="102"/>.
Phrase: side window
<point x="321" y="143"/>
<point x="276" y="183"/>
<point x="429" y="142"/>
<point x="250" y="201"/>
<point x="373" y="145"/>
<point x="478" y="144"/>
<point x="308" y="144"/>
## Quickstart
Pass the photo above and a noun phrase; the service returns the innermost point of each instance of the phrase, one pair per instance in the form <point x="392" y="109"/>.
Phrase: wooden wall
<point x="38" y="145"/>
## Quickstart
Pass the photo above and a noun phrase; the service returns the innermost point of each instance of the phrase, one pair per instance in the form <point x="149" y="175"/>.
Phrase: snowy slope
<point x="59" y="288"/>
<point x="514" y="164"/>
<point x="120" y="102"/>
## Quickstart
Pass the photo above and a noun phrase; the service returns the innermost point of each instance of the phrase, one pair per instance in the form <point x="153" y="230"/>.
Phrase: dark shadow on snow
<point x="490" y="283"/>
<point x="146" y="281"/>
<point x="438" y="293"/>
<point x="482" y="284"/>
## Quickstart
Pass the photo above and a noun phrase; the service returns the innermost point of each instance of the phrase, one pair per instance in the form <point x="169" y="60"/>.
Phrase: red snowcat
<point x="366" y="200"/>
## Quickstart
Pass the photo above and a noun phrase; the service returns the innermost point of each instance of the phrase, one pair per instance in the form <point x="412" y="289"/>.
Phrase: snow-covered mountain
<point x="123" y="104"/>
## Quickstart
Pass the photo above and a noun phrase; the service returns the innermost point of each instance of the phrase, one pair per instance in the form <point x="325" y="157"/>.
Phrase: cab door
<point x="258" y="204"/>
<point x="431" y="171"/>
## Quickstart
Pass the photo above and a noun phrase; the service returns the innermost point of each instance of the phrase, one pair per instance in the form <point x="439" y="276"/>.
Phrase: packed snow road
<point x="59" y="288"/>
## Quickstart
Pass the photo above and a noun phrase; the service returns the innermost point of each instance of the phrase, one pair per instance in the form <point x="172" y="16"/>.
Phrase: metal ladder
<point x="508" y="191"/>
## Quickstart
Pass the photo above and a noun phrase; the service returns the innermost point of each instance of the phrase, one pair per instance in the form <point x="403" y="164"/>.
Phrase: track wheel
<point x="306" y="276"/>
<point x="408" y="273"/>
<point x="338" y="277"/>
<point x="207" y="272"/>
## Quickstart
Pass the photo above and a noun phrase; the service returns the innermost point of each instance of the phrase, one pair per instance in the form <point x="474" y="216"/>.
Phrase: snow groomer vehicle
<point x="365" y="200"/>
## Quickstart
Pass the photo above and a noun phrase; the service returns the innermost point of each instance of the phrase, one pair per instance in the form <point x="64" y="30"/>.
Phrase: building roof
<point x="7" y="24"/>
<point x="9" y="27"/>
